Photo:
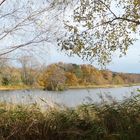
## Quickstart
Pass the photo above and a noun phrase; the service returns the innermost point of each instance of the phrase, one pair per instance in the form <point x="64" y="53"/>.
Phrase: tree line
<point x="60" y="75"/>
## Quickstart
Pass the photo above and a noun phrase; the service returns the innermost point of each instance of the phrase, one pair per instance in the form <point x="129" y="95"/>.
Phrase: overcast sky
<point x="129" y="63"/>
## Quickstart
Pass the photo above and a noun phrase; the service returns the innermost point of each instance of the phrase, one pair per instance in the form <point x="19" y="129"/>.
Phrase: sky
<point x="130" y="63"/>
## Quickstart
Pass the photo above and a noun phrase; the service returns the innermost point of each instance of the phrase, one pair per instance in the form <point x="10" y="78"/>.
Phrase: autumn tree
<point x="94" y="30"/>
<point x="29" y="70"/>
<point x="4" y="71"/>
<point x="9" y="75"/>
<point x="53" y="78"/>
<point x="88" y="76"/>
<point x="71" y="79"/>
<point x="117" y="79"/>
<point x="100" y="27"/>
<point x="108" y="75"/>
<point x="60" y="75"/>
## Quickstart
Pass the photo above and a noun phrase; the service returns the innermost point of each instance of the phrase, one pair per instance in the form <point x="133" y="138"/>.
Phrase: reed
<point x="115" y="121"/>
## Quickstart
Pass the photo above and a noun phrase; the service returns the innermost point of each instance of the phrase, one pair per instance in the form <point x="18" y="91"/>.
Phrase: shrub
<point x="5" y="80"/>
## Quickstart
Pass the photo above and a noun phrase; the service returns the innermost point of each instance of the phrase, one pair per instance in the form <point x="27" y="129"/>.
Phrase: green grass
<point x="115" y="121"/>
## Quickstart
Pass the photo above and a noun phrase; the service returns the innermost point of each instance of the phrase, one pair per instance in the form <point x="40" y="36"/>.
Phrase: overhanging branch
<point x="2" y="2"/>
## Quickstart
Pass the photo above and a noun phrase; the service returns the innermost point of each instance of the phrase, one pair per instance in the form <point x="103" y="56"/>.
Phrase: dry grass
<point x="116" y="121"/>
<point x="102" y="86"/>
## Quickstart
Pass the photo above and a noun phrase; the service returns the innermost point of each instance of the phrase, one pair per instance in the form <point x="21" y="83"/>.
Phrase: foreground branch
<point x="2" y="2"/>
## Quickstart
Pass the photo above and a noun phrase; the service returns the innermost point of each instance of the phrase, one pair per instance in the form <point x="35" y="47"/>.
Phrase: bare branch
<point x="26" y="25"/>
<point x="108" y="8"/>
<point x="34" y="41"/>
<point x="2" y="2"/>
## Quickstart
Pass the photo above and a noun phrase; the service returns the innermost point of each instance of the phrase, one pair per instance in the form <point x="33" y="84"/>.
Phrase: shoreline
<point x="102" y="86"/>
<point x="12" y="88"/>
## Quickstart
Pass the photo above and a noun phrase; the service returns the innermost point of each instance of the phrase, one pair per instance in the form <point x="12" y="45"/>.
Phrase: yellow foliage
<point x="71" y="79"/>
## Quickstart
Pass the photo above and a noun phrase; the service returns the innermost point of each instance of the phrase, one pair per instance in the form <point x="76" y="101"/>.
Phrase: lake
<point x="70" y="98"/>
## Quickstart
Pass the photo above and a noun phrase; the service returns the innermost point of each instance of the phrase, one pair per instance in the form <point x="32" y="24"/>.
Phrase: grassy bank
<point x="103" y="86"/>
<point x="16" y="87"/>
<point x="22" y="87"/>
<point x="117" y="121"/>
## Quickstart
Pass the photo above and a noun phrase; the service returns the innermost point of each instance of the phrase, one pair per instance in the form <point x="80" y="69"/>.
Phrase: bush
<point x="5" y="80"/>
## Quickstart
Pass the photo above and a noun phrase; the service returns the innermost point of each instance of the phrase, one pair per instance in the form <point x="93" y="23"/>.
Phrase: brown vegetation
<point x="60" y="76"/>
<point x="82" y="75"/>
<point x="115" y="121"/>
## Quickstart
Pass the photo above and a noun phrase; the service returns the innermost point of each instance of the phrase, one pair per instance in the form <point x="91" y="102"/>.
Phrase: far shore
<point x="102" y="86"/>
<point x="24" y="87"/>
<point x="18" y="87"/>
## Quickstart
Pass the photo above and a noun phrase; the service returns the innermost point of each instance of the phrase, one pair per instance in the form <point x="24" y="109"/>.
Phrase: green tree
<point x="77" y="71"/>
<point x="6" y="80"/>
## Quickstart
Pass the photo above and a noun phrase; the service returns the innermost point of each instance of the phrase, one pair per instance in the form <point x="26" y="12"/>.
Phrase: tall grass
<point x="115" y="121"/>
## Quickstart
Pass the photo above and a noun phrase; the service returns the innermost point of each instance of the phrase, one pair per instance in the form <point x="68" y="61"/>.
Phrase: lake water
<point x="71" y="98"/>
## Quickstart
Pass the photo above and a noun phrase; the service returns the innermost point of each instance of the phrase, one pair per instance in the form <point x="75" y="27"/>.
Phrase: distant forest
<point x="59" y="76"/>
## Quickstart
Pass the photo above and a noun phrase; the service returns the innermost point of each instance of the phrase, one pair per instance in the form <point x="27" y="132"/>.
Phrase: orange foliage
<point x="71" y="79"/>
